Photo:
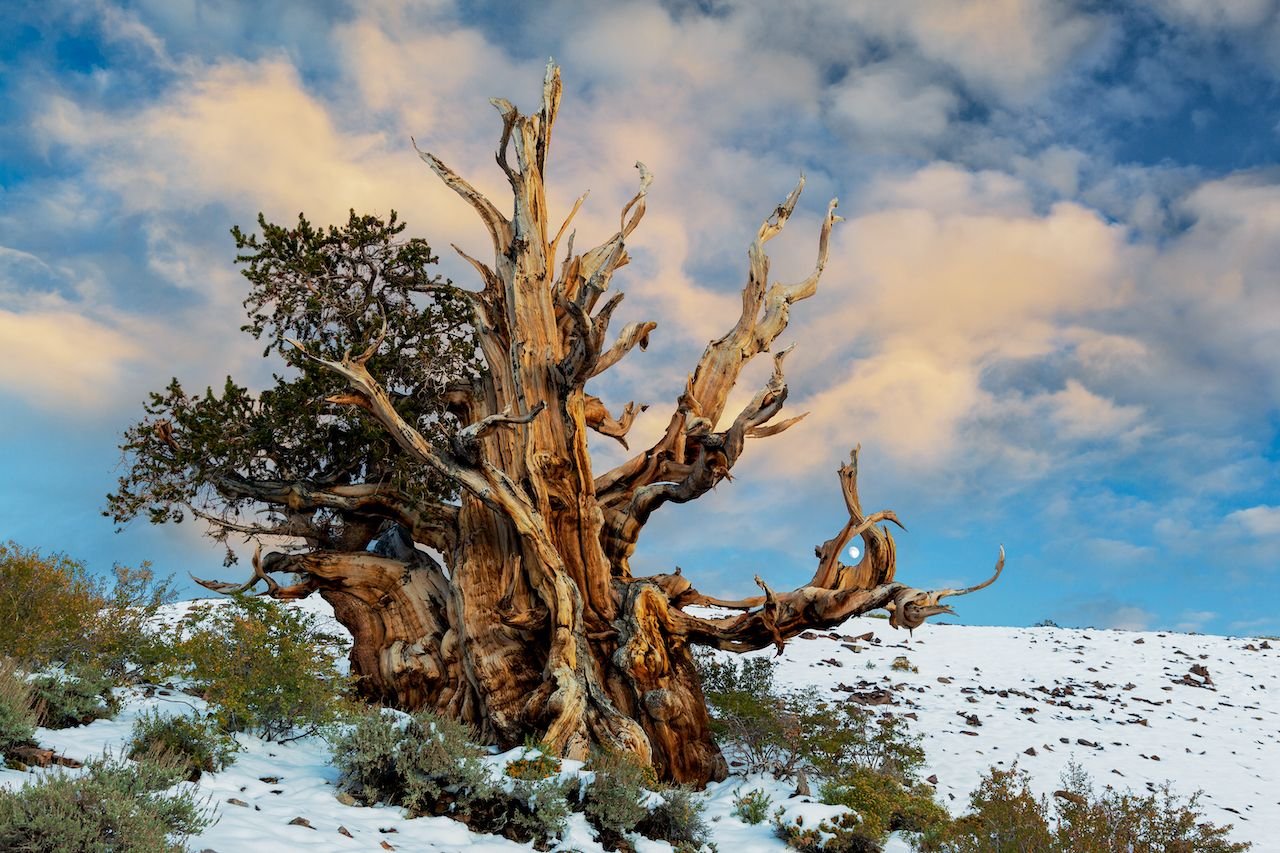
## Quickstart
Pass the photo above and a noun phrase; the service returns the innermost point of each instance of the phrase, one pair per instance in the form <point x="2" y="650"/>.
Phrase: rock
<point x="386" y="846"/>
<point x="932" y="780"/>
<point x="345" y="798"/>
<point x="301" y="821"/>
<point x="342" y="830"/>
<point x="1087" y="743"/>
<point x="233" y="801"/>
<point x="1070" y="797"/>
<point x="1139" y="641"/>
<point x="270" y="780"/>
<point x="1031" y="750"/>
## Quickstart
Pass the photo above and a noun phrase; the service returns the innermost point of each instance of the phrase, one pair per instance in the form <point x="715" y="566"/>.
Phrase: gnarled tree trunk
<point x="535" y="625"/>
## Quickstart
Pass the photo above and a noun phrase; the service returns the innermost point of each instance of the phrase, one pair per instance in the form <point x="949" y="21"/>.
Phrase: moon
<point x="854" y="553"/>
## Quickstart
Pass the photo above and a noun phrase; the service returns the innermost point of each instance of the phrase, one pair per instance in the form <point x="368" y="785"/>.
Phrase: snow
<point x="1222" y="738"/>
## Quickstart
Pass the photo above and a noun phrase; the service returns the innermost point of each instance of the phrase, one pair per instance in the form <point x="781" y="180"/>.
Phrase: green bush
<point x="753" y="806"/>
<point x="677" y="820"/>
<point x="73" y="698"/>
<point x="113" y="806"/>
<point x="1004" y="817"/>
<point x="534" y="763"/>
<point x="264" y="667"/>
<point x="430" y="766"/>
<point x="197" y="743"/>
<point x="884" y="804"/>
<point x="840" y="738"/>
<point x="842" y="834"/>
<point x="81" y="619"/>
<point x="539" y="810"/>
<point x="748" y="714"/>
<point x="614" y="799"/>
<point x="366" y="759"/>
<point x="17" y="712"/>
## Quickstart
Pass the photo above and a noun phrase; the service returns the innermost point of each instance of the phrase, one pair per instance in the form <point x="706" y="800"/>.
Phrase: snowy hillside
<point x="1134" y="709"/>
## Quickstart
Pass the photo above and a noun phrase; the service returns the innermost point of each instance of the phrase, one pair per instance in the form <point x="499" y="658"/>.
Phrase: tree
<point x="530" y="621"/>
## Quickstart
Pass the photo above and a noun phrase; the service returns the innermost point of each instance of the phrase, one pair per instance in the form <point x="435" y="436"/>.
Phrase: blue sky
<point x="1052" y="319"/>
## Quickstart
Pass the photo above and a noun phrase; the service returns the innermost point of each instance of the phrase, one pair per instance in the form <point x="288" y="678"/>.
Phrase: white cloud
<point x="1261" y="521"/>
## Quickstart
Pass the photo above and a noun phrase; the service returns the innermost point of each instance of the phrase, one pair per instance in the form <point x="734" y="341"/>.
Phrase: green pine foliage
<point x="216" y="453"/>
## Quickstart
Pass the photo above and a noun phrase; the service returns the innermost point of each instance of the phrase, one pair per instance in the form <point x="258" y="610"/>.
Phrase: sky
<point x="1051" y="318"/>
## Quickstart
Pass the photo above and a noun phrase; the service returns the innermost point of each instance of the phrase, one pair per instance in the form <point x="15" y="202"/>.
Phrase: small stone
<point x="342" y="830"/>
<point x="1031" y="750"/>
<point x="932" y="780"/>
<point x="270" y="780"/>
<point x="301" y="821"/>
<point x="386" y="846"/>
<point x="233" y="801"/>
<point x="345" y="798"/>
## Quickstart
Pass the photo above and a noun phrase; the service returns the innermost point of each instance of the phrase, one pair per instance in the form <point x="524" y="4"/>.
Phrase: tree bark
<point x="535" y="624"/>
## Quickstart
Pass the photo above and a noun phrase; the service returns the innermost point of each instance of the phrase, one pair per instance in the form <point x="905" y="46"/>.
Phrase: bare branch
<point x="497" y="224"/>
<point x="632" y="335"/>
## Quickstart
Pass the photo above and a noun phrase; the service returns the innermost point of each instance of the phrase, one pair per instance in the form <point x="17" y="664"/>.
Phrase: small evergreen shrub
<point x="839" y="738"/>
<point x="442" y="768"/>
<point x="534" y="763"/>
<point x="884" y="804"/>
<point x="197" y="743"/>
<point x="614" y="800"/>
<point x="539" y="811"/>
<point x="753" y="806"/>
<point x="17" y="712"/>
<point x="842" y="834"/>
<point x="430" y="766"/>
<point x="112" y="806"/>
<point x="366" y="759"/>
<point x="73" y="698"/>
<point x="677" y="820"/>
<point x="903" y="664"/>
<point x="748" y="714"/>
<point x="81" y="619"/>
<point x="1004" y="817"/>
<point x="264" y="667"/>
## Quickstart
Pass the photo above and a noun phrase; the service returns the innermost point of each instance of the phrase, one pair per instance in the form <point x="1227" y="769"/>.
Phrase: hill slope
<point x="1134" y="709"/>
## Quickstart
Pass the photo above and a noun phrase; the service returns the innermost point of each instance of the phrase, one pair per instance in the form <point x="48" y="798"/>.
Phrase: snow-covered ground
<point x="1125" y="705"/>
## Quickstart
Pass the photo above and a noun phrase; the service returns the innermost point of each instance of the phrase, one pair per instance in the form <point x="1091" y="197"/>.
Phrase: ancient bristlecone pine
<point x="535" y="625"/>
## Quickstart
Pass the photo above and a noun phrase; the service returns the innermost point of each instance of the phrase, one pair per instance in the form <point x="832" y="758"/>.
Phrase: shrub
<point x="17" y="711"/>
<point x="197" y="744"/>
<point x="73" y="698"/>
<point x="749" y="714"/>
<point x="265" y="667"/>
<point x="842" y="834"/>
<point x="614" y="800"/>
<point x="884" y="804"/>
<point x="539" y="811"/>
<point x="534" y="763"/>
<point x="840" y="738"/>
<point x="1004" y="816"/>
<point x="1154" y="823"/>
<point x="753" y="806"/>
<point x="903" y="664"/>
<point x="81" y="619"/>
<point x="366" y="759"/>
<point x="677" y="820"/>
<point x="113" y="806"/>
<point x="429" y="765"/>
<point x="441" y="767"/>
